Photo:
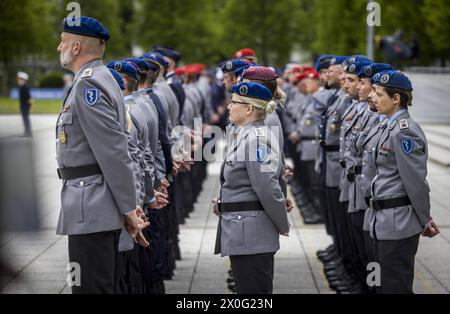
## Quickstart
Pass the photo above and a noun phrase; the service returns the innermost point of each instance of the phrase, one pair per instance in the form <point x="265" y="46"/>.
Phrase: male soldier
<point x="94" y="163"/>
<point x="172" y="57"/>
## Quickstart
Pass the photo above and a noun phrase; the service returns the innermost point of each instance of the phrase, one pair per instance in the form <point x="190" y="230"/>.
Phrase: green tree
<point x="185" y="25"/>
<point x="268" y="27"/>
<point x="340" y="27"/>
<point x="437" y="16"/>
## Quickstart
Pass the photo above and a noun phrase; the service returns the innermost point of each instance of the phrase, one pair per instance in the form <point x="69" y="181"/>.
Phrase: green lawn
<point x="11" y="106"/>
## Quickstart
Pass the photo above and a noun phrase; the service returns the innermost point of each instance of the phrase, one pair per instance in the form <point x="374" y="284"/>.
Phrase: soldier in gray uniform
<point x="95" y="166"/>
<point x="252" y="206"/>
<point x="353" y="153"/>
<point x="306" y="128"/>
<point x="400" y="202"/>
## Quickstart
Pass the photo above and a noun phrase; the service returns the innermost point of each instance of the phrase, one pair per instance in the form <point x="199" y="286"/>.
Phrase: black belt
<point x="308" y="138"/>
<point x="79" y="172"/>
<point x="392" y="203"/>
<point x="331" y="148"/>
<point x="343" y="163"/>
<point x="240" y="206"/>
<point x="358" y="170"/>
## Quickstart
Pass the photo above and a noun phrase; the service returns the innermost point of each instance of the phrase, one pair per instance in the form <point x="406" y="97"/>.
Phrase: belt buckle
<point x="59" y="173"/>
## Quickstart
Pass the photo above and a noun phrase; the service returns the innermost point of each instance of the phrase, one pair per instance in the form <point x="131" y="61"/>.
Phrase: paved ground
<point x="40" y="258"/>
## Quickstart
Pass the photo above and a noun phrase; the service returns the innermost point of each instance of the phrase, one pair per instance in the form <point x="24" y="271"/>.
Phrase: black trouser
<point x="332" y="208"/>
<point x="25" y="111"/>
<point x="312" y="186"/>
<point x="396" y="260"/>
<point x="253" y="274"/>
<point x="97" y="254"/>
<point x="357" y="219"/>
<point x="130" y="276"/>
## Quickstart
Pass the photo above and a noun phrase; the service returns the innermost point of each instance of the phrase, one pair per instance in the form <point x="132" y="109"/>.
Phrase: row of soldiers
<point x="127" y="135"/>
<point x="360" y="167"/>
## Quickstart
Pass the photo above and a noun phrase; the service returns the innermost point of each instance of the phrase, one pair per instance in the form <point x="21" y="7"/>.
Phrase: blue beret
<point x="338" y="60"/>
<point x="354" y="68"/>
<point x="370" y="70"/>
<point x="393" y="79"/>
<point x="118" y="78"/>
<point x="156" y="58"/>
<point x="323" y="62"/>
<point x="168" y="52"/>
<point x="140" y="63"/>
<point x="89" y="27"/>
<point x="234" y="65"/>
<point x="355" y="58"/>
<point x="252" y="90"/>
<point x="124" y="68"/>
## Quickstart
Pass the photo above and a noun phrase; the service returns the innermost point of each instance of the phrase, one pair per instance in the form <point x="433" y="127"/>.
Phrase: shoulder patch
<point x="261" y="153"/>
<point x="91" y="96"/>
<point x="407" y="145"/>
<point x="87" y="73"/>
<point x="260" y="132"/>
<point x="404" y="124"/>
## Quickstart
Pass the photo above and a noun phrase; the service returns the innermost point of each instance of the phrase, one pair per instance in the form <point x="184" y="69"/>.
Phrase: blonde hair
<point x="262" y="107"/>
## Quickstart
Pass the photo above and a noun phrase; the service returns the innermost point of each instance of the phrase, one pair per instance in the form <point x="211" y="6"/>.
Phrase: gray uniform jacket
<point x="357" y="196"/>
<point x="351" y="126"/>
<point x="401" y="166"/>
<point x="332" y="138"/>
<point x="244" y="179"/>
<point x="307" y="129"/>
<point x="273" y="122"/>
<point x="90" y="130"/>
<point x="173" y="107"/>
<point x="321" y="101"/>
<point x="150" y="113"/>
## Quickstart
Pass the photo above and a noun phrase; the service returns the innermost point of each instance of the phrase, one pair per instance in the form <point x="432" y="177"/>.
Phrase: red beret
<point x="180" y="71"/>
<point x="260" y="73"/>
<point x="312" y="74"/>
<point x="301" y="68"/>
<point x="243" y="53"/>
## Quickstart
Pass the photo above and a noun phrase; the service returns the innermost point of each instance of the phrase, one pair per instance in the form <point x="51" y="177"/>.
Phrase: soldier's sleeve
<point x="149" y="176"/>
<point x="264" y="177"/>
<point x="411" y="153"/>
<point x="108" y="142"/>
<point x="134" y="154"/>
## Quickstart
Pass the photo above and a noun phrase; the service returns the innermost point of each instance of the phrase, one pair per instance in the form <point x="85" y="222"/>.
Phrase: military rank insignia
<point x="404" y="124"/>
<point x="308" y="122"/>
<point x="87" y="73"/>
<point x="260" y="132"/>
<point x="62" y="137"/>
<point x="407" y="145"/>
<point x="91" y="96"/>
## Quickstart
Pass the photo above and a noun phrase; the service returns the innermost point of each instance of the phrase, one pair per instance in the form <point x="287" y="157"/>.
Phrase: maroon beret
<point x="259" y="73"/>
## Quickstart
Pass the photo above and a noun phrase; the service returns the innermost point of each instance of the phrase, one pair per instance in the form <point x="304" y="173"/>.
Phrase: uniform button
<point x="362" y="176"/>
<point x="81" y="183"/>
<point x="364" y="163"/>
<point x="340" y="138"/>
<point x="57" y="140"/>
<point x="365" y="152"/>
<point x="239" y="217"/>
<point x="340" y="150"/>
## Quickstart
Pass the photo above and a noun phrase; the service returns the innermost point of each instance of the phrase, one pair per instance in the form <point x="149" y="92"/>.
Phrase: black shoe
<point x="230" y="272"/>
<point x="326" y="258"/>
<point x="230" y="280"/>
<point x="232" y="287"/>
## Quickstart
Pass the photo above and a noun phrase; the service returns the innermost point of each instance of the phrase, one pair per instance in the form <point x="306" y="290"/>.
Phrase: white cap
<point x="23" y="76"/>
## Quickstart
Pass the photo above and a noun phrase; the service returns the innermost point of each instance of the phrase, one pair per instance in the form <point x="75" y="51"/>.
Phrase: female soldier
<point x="400" y="202"/>
<point x="252" y="206"/>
